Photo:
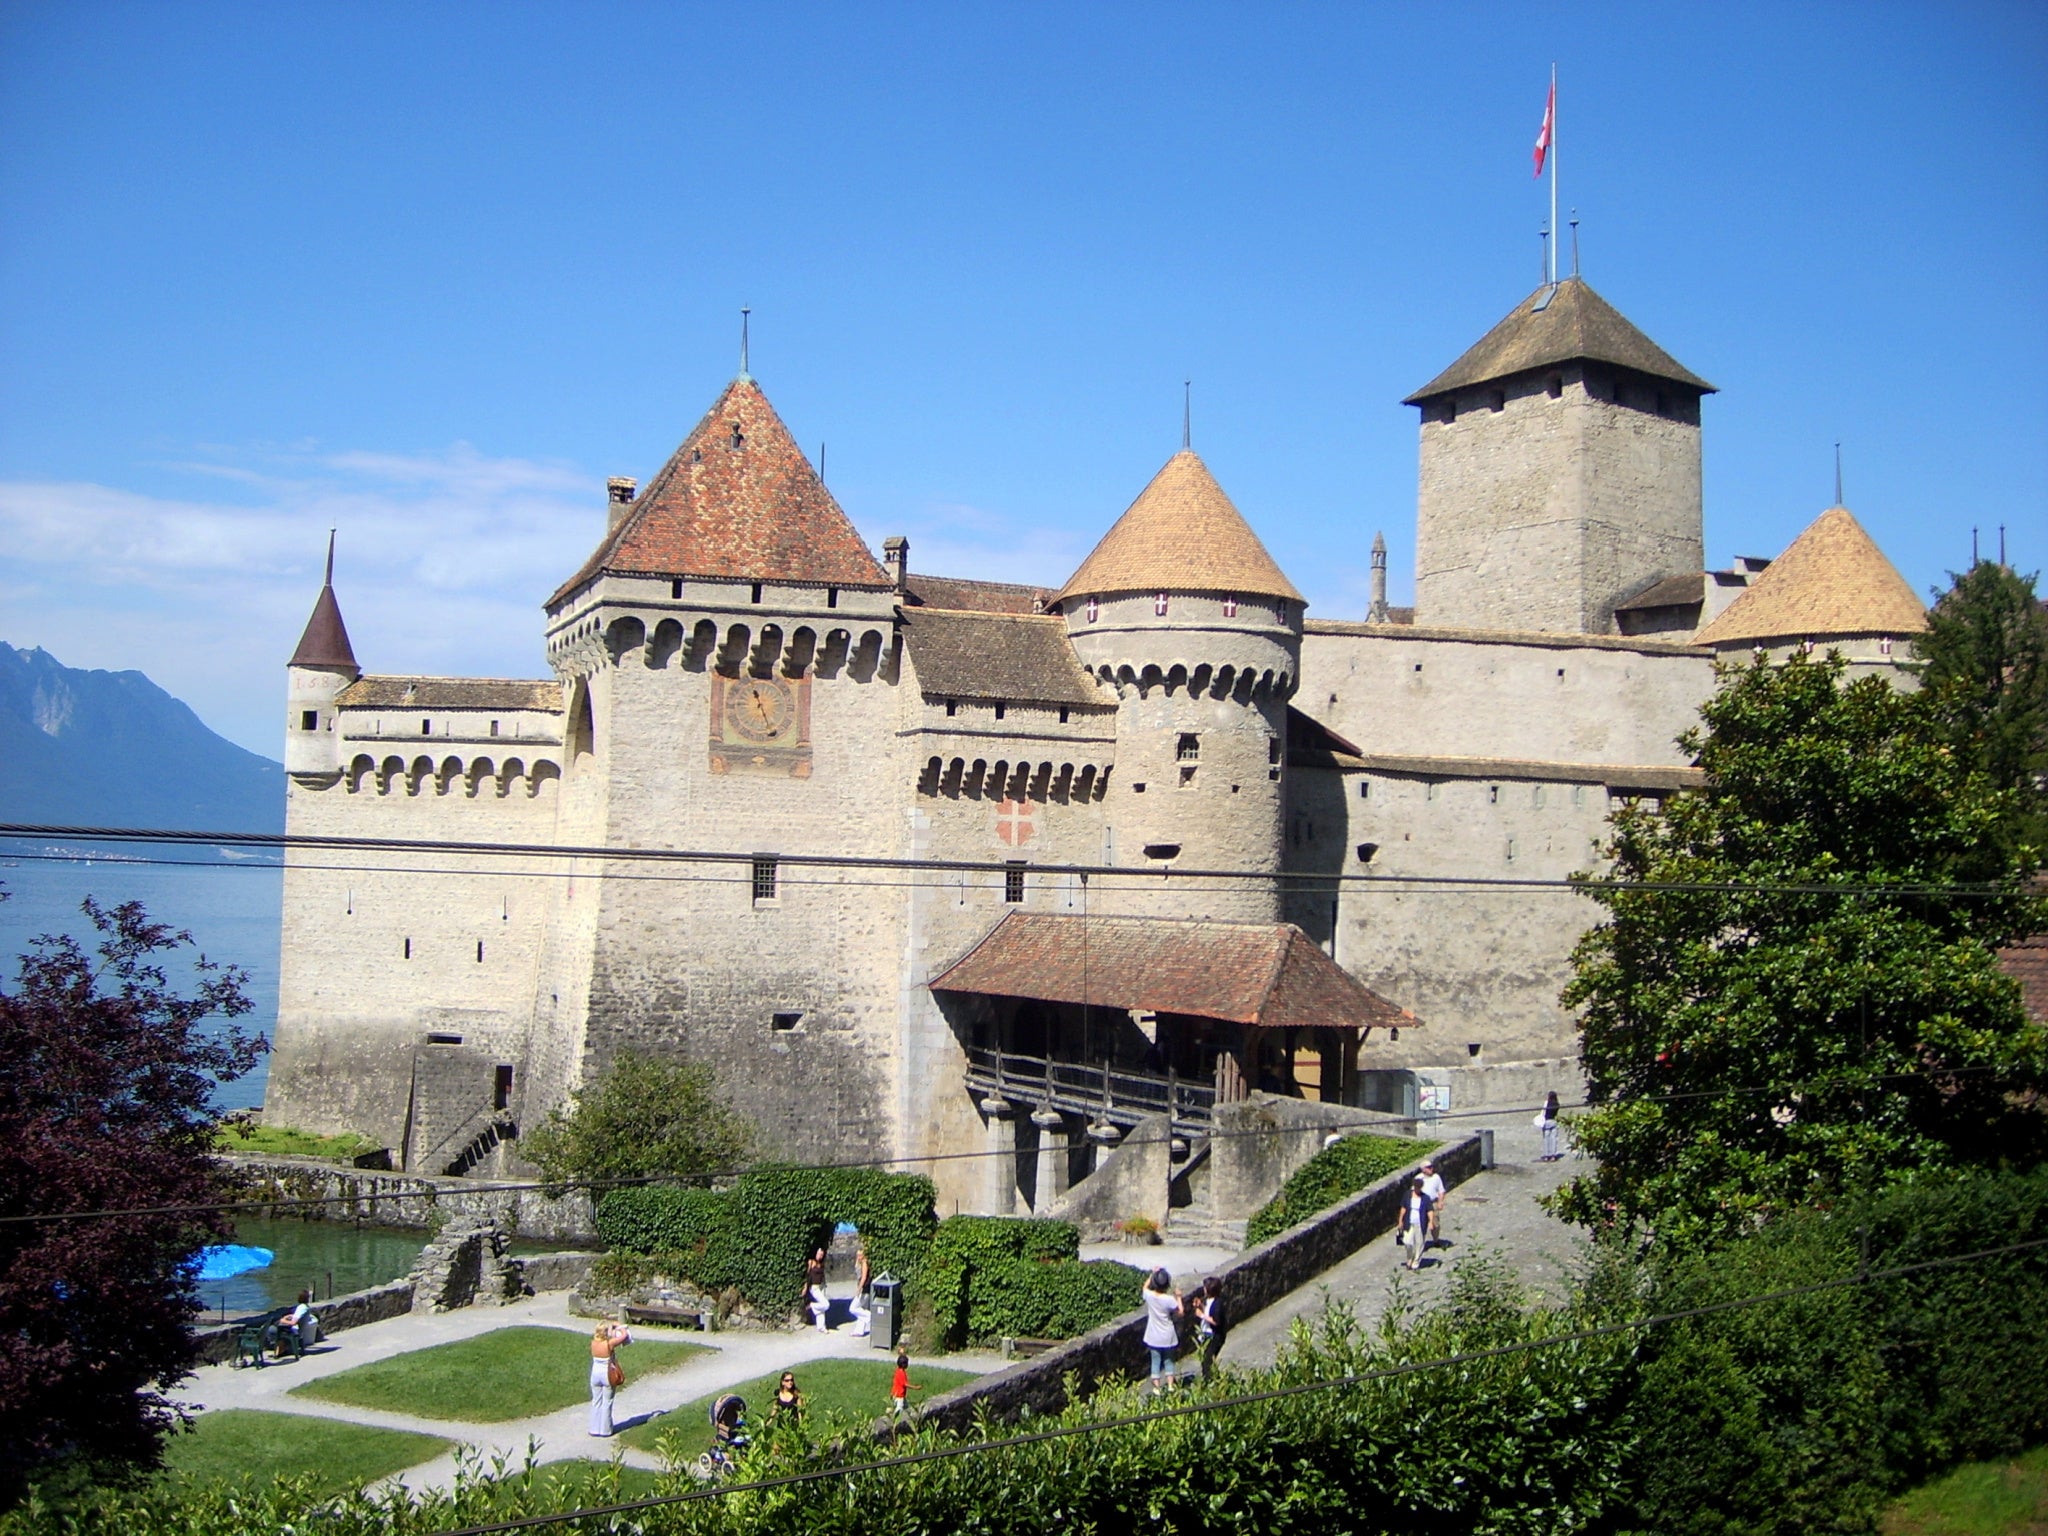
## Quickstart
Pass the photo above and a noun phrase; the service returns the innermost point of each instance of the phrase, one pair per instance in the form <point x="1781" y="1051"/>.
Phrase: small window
<point x="764" y="877"/>
<point x="309" y="719"/>
<point x="494" y="727"/>
<point x="1273" y="749"/>
<point x="1536" y="797"/>
<point x="1578" y="794"/>
<point x="739" y="438"/>
<point x="1418" y="666"/>
<point x="1187" y="775"/>
<point x="1431" y="790"/>
<point x="999" y="711"/>
<point x="426" y="727"/>
<point x="1013" y="881"/>
<point x="434" y="1039"/>
<point x="1663" y="403"/>
<point x="757" y="591"/>
<point x="784" y="1023"/>
<point x="1511" y="850"/>
<point x="1366" y="851"/>
<point x="1493" y="794"/>
<point x="1554" y="386"/>
<point x="675" y="587"/>
<point x="1190" y="747"/>
<point x="1162" y="850"/>
<point x="479" y="951"/>
<point x="501" y="1090"/>
<point x="1499" y="400"/>
<point x="1884" y="648"/>
<point x="1159" y="605"/>
<point x="1137" y="789"/>
<point x="1063" y="714"/>
<point x="408" y="949"/>
<point x="831" y="597"/>
<point x="1365" y="789"/>
<point x="1450" y="412"/>
<point x="1093" y="611"/>
<point x="1230" y="607"/>
<point x="952" y="708"/>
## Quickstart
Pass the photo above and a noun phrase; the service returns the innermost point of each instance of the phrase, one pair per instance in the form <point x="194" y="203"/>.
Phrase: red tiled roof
<point x="2027" y="963"/>
<point x="737" y="502"/>
<point x="1250" y="973"/>
<point x="961" y="592"/>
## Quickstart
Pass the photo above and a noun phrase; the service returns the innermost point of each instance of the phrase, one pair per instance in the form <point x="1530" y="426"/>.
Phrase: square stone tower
<point x="1560" y="471"/>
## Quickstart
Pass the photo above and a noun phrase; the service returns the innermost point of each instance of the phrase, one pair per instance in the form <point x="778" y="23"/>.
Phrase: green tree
<point x="1985" y="661"/>
<point x="644" y="1118"/>
<point x="1806" y="1026"/>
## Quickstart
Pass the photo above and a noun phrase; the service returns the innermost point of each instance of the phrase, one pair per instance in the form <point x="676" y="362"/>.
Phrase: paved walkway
<point x="1492" y="1212"/>
<point x="736" y="1357"/>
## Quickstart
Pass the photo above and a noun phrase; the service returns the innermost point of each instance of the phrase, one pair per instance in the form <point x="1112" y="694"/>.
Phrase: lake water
<point x="231" y="910"/>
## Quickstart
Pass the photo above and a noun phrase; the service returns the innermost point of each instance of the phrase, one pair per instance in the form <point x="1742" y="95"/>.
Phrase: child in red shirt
<point x="900" y="1388"/>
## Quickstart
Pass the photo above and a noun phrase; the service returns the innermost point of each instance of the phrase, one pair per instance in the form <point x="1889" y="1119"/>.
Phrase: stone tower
<point x="1560" y="471"/>
<point x="1183" y="612"/>
<point x="320" y="668"/>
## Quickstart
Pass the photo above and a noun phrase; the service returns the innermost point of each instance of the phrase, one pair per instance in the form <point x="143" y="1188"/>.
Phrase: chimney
<point x="896" y="556"/>
<point x="620" y="490"/>
<point x="1377" y="613"/>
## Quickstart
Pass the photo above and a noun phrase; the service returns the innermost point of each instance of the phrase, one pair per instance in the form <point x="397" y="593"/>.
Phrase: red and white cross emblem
<point x="1013" y="822"/>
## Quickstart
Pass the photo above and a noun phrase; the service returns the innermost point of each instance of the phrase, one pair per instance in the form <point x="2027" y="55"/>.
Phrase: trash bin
<point x="887" y="1309"/>
<point x="1486" y="1148"/>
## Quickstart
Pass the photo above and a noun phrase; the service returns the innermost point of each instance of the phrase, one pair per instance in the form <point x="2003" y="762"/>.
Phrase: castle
<point x="1006" y="869"/>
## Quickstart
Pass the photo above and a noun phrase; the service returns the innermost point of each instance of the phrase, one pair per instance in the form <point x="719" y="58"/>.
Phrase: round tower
<point x="1182" y="611"/>
<point x="320" y="668"/>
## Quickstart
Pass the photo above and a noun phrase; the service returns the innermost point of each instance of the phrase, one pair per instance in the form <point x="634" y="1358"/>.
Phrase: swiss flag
<point x="1543" y="133"/>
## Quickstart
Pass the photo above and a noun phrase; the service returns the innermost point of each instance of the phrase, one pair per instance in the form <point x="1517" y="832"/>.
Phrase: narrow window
<point x="1187" y="775"/>
<point x="764" y="877"/>
<point x="1137" y="789"/>
<point x="783" y="1023"/>
<point x="1273" y="749"/>
<point x="757" y="591"/>
<point x="1093" y="610"/>
<point x="1013" y="881"/>
<point x="501" y="1091"/>
<point x="309" y="719"/>
<point x="426" y="727"/>
<point x="494" y="727"/>
<point x="1365" y="789"/>
<point x="831" y="597"/>
<point x="1162" y="850"/>
<point x="999" y="711"/>
<point x="1418" y="666"/>
<point x="1554" y="386"/>
<point x="1429" y="790"/>
<point x="1499" y="400"/>
<point x="1493" y="794"/>
<point x="479" y="951"/>
<point x="1230" y="606"/>
<point x="1536" y="797"/>
<point x="1511" y="850"/>
<point x="1884" y="648"/>
<point x="739" y="438"/>
<point x="408" y="949"/>
<point x="433" y="1039"/>
<point x="1578" y="794"/>
<point x="1063" y="714"/>
<point x="1366" y="851"/>
<point x="1450" y="412"/>
<point x="952" y="708"/>
<point x="1159" y="605"/>
<point x="675" y="587"/>
<point x="1190" y="747"/>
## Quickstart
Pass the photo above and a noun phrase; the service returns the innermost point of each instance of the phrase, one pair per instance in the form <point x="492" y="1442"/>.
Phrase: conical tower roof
<point x="1181" y="534"/>
<point x="738" y="501"/>
<point x="1561" y="323"/>
<point x="1834" y="580"/>
<point x="325" y="642"/>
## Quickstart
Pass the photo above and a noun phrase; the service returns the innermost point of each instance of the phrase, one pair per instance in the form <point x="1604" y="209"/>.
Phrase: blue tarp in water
<point x="227" y="1260"/>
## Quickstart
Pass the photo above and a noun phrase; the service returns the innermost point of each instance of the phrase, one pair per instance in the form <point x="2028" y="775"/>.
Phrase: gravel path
<point x="1493" y="1212"/>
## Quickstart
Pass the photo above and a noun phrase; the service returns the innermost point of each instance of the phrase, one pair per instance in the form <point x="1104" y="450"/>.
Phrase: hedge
<point x="966" y="1246"/>
<point x="756" y="1235"/>
<point x="1057" y="1299"/>
<point x="1336" y="1173"/>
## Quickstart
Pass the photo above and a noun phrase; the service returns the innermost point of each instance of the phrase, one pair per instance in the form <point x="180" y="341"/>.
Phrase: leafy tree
<point x="106" y="1082"/>
<point x="1985" y="661"/>
<point x="645" y="1117"/>
<point x="1813" y="1030"/>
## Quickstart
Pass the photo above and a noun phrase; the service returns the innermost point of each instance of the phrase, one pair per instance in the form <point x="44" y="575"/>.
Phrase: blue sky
<point x="433" y="272"/>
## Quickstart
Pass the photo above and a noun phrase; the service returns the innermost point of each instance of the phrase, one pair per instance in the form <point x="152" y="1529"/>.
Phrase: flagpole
<point x="1553" y="174"/>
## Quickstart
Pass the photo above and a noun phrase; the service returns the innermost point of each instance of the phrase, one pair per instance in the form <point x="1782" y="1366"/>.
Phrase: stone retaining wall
<point x="411" y="1199"/>
<point x="1251" y="1283"/>
<point x="336" y="1313"/>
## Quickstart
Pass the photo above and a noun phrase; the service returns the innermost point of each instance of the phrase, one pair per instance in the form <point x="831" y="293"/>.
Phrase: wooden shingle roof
<point x="1009" y="656"/>
<point x="1182" y="534"/>
<point x="1834" y="580"/>
<point x="1270" y="974"/>
<point x="325" y="642"/>
<point x="738" y="501"/>
<point x="1575" y="325"/>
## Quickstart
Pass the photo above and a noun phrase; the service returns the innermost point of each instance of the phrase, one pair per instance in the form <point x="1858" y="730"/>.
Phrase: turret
<point x="1377" y="613"/>
<point x="320" y="668"/>
<point x="1183" y="611"/>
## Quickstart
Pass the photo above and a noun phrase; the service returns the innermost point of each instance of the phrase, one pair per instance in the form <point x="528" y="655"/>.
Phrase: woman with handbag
<point x="606" y="1375"/>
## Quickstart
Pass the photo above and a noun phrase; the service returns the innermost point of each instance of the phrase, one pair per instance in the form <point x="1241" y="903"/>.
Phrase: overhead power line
<point x="1245" y="1399"/>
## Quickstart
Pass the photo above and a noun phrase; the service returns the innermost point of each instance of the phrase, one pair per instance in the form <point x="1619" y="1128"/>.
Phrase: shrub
<point x="755" y="1236"/>
<point x="644" y="1118"/>
<point x="966" y="1245"/>
<point x="1054" y="1299"/>
<point x="1141" y="1229"/>
<point x="1336" y="1173"/>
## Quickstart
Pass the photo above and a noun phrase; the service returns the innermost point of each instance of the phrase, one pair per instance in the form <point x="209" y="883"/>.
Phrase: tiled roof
<point x="1575" y="325"/>
<point x="1834" y="580"/>
<point x="1022" y="657"/>
<point x="1312" y="744"/>
<point x="1250" y="973"/>
<point x="1182" y="535"/>
<point x="452" y="693"/>
<point x="1656" y="777"/>
<point x="1672" y="592"/>
<point x="1549" y="640"/>
<point x="975" y="596"/>
<point x="738" y="502"/>
<point x="325" y="642"/>
<point x="2027" y="963"/>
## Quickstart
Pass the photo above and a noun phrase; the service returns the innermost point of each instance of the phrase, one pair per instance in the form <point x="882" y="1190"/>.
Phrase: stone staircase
<point x="1197" y="1226"/>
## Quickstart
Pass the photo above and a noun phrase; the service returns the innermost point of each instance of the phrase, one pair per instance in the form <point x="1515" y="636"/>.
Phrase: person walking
<point x="863" y="1290"/>
<point x="1414" y="1223"/>
<point x="788" y="1405"/>
<point x="901" y="1386"/>
<point x="814" y="1288"/>
<point x="1212" y="1323"/>
<point x="1547" y="1124"/>
<point x="606" y="1375"/>
<point x="1433" y="1186"/>
<point x="1163" y="1308"/>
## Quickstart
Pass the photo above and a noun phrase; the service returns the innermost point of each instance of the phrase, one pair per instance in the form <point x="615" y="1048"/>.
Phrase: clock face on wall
<point x="761" y="725"/>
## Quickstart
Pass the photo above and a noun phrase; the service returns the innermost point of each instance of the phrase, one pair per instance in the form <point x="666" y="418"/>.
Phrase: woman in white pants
<point x="606" y="1340"/>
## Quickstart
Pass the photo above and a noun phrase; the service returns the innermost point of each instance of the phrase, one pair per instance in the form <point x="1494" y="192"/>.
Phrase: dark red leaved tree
<point x="106" y="1082"/>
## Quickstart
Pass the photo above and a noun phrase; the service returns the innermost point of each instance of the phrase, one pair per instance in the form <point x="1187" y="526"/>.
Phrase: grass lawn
<point x="282" y="1138"/>
<point x="510" y="1373"/>
<point x="237" y="1442"/>
<point x="1982" y="1498"/>
<point x="829" y="1386"/>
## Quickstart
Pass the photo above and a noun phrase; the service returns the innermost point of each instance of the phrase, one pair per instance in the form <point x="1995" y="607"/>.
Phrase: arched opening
<point x="582" y="733"/>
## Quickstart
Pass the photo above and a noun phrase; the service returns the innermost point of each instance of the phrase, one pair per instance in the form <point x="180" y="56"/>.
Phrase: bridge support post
<point x="1001" y="1174"/>
<point x="1052" y="1157"/>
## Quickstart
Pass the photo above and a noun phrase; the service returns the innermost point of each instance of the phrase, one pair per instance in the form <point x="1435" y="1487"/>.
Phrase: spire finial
<point x="1575" y="242"/>
<point x="1187" y="414"/>
<point x="1838" y="474"/>
<point x="745" y="311"/>
<point x="1543" y="246"/>
<point x="330" y="560"/>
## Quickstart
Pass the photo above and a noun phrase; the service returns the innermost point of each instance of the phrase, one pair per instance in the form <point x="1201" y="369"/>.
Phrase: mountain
<point x="111" y="749"/>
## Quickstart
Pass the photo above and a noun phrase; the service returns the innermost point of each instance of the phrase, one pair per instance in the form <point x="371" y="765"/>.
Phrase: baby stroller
<point x="728" y="1435"/>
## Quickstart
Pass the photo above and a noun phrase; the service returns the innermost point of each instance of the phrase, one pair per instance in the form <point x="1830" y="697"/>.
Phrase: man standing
<point x="1433" y="1186"/>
